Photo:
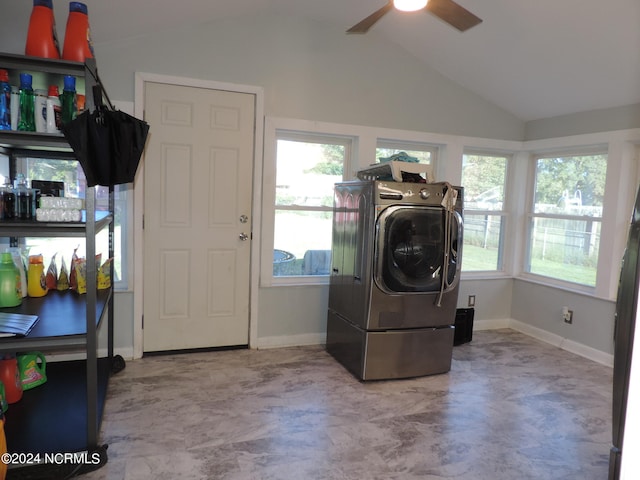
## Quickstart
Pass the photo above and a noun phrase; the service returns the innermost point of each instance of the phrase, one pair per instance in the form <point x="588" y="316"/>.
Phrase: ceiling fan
<point x="447" y="10"/>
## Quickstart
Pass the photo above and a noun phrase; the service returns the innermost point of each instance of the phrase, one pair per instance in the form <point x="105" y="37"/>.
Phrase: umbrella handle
<point x="97" y="95"/>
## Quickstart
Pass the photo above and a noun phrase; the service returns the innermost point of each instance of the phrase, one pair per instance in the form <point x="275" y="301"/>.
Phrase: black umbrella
<point x="107" y="142"/>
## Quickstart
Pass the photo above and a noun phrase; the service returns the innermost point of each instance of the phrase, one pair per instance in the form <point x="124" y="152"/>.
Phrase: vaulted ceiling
<point x="536" y="59"/>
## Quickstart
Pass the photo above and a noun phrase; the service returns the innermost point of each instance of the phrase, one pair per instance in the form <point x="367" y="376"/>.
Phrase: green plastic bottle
<point x="10" y="287"/>
<point x="68" y="99"/>
<point x="27" y="118"/>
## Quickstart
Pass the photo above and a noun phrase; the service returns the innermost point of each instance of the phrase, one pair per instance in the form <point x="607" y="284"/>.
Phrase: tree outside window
<point x="566" y="217"/>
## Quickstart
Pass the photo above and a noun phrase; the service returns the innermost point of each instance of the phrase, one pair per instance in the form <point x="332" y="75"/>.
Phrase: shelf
<point x="64" y="414"/>
<point x="23" y="63"/>
<point x="35" y="65"/>
<point x="34" y="141"/>
<point x="46" y="420"/>
<point x="32" y="228"/>
<point x="62" y="321"/>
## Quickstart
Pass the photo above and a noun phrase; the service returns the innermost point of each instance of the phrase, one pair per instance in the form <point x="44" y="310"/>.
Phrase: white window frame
<point x="505" y="215"/>
<point x="296" y="130"/>
<point x="409" y="145"/>
<point x="530" y="215"/>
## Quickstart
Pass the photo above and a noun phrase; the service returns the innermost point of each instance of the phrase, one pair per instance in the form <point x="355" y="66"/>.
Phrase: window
<point x="566" y="217"/>
<point x="484" y="178"/>
<point x="424" y="153"/>
<point x="70" y="173"/>
<point x="307" y="167"/>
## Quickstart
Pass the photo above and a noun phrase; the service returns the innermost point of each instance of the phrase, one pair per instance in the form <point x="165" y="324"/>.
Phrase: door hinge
<point x="143" y="221"/>
<point x="142" y="322"/>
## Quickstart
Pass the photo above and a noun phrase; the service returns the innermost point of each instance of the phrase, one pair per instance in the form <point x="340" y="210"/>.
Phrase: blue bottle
<point x="27" y="122"/>
<point x="5" y="101"/>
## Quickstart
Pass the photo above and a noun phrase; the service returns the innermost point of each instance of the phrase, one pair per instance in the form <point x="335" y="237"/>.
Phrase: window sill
<point x="298" y="281"/>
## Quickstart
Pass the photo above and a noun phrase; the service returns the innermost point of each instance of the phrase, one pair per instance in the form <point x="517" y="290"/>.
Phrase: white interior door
<point x="197" y="217"/>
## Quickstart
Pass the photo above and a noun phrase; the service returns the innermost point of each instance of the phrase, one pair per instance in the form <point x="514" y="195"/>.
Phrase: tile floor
<point x="510" y="408"/>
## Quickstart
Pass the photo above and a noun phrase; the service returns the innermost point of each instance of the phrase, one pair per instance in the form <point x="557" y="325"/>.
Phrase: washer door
<point x="412" y="248"/>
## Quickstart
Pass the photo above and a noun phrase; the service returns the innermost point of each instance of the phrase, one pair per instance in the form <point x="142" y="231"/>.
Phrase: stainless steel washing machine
<point x="395" y="271"/>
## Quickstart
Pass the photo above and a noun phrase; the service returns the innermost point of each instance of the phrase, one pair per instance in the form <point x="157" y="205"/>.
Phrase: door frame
<point x="138" y="198"/>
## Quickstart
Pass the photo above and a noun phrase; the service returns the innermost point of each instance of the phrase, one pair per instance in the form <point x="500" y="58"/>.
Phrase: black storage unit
<point x="64" y="414"/>
<point x="463" y="325"/>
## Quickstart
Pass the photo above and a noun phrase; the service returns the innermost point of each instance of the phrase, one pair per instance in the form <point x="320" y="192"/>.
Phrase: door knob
<point x="243" y="236"/>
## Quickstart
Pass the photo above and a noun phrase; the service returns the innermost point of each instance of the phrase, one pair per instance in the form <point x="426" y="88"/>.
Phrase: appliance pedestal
<point x="390" y="354"/>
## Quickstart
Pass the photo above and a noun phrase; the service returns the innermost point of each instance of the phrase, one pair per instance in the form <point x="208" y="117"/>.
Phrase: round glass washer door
<point x="412" y="248"/>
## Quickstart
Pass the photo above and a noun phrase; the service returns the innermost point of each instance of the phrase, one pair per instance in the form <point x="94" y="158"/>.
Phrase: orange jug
<point x="10" y="377"/>
<point x="77" y="38"/>
<point x="42" y="40"/>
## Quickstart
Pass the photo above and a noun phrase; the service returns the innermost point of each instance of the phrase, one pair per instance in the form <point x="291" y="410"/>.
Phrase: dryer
<point x="395" y="271"/>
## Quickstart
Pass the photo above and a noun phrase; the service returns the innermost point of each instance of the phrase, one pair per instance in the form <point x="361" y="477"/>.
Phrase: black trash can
<point x="464" y="326"/>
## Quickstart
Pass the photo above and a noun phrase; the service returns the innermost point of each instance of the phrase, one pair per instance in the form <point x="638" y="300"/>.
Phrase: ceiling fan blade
<point x="368" y="22"/>
<point x="452" y="13"/>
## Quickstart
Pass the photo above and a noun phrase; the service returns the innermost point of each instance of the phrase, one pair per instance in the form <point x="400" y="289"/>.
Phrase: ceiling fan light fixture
<point x="409" y="5"/>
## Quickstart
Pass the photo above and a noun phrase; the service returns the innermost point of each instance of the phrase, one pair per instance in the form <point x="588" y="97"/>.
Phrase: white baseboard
<point x="563" y="343"/>
<point x="126" y="353"/>
<point x="292" y="340"/>
<point x="535" y="332"/>
<point x="491" y="324"/>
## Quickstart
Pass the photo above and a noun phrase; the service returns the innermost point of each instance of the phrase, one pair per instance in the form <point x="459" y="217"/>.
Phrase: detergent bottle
<point x="77" y="38"/>
<point x="10" y="378"/>
<point x="32" y="367"/>
<point x="42" y="40"/>
<point x="36" y="279"/>
<point x="10" y="286"/>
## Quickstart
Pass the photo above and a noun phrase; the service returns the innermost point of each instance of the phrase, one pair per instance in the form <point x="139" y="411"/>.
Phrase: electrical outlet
<point x="567" y="315"/>
<point x="472" y="301"/>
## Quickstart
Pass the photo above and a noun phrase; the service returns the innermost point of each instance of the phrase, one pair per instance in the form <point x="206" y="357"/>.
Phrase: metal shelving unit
<point x="53" y="418"/>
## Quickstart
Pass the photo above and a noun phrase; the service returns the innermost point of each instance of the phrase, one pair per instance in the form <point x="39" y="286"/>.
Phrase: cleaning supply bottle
<point x="9" y="282"/>
<point x="15" y="106"/>
<point x="10" y="377"/>
<point x="68" y="99"/>
<point x="40" y="110"/>
<point x="5" y="101"/>
<point x="42" y="40"/>
<point x="27" y="122"/>
<point x="23" y="204"/>
<point x="7" y="202"/>
<point x="36" y="279"/>
<point x="77" y="39"/>
<point x="54" y="110"/>
<point x="19" y="262"/>
<point x="3" y="399"/>
<point x="32" y="367"/>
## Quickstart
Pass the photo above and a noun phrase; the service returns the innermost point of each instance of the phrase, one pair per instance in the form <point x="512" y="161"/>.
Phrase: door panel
<point x="197" y="242"/>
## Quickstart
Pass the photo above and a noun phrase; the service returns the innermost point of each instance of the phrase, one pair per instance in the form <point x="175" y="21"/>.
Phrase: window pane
<point x="423" y="156"/>
<point x="572" y="185"/>
<point x="565" y="249"/>
<point x="482" y="242"/>
<point x="71" y="174"/>
<point x="306" y="172"/>
<point x="302" y="243"/>
<point x="483" y="179"/>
